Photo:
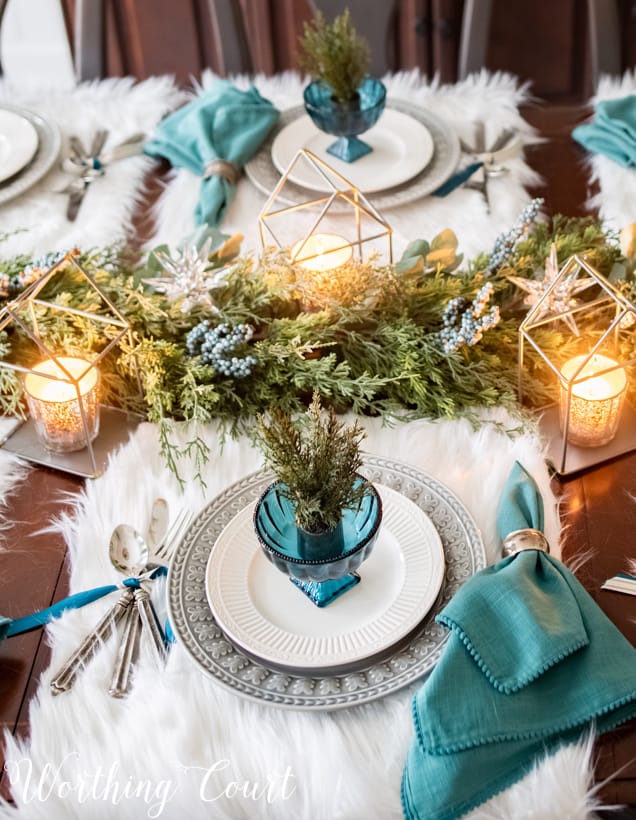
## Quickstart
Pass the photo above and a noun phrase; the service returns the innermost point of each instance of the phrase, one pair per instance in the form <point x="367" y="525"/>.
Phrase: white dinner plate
<point x="18" y="143"/>
<point x="402" y="148"/>
<point x="259" y="608"/>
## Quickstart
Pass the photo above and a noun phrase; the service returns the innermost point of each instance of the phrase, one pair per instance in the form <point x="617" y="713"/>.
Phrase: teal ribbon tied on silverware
<point x="213" y="137"/>
<point x="9" y="628"/>
<point x="612" y="132"/>
<point x="530" y="664"/>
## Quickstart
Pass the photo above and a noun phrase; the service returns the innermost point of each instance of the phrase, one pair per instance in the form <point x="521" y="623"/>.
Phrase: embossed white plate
<point x="18" y="143"/>
<point x="259" y="608"/>
<point x="402" y="147"/>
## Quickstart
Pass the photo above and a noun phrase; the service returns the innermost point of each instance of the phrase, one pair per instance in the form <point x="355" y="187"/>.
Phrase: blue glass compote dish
<point x="346" y="120"/>
<point x="323" y="565"/>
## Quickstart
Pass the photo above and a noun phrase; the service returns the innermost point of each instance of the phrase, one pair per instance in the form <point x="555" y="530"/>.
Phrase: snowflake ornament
<point x="189" y="277"/>
<point x="561" y="298"/>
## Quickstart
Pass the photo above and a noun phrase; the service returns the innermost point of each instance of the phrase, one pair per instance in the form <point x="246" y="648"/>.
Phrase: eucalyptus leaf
<point x="445" y="239"/>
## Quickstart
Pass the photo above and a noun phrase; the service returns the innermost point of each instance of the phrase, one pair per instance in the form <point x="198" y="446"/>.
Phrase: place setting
<point x="393" y="151"/>
<point x="241" y="597"/>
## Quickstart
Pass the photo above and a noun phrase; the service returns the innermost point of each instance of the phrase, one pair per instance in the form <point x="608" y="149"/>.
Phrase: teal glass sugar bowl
<point x="323" y="565"/>
<point x="346" y="120"/>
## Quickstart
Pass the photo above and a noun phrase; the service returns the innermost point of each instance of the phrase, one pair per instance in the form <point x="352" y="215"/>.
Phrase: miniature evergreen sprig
<point x="335" y="54"/>
<point x="317" y="458"/>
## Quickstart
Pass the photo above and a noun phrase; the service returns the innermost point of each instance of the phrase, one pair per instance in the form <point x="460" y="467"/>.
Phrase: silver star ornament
<point x="188" y="277"/>
<point x="561" y="299"/>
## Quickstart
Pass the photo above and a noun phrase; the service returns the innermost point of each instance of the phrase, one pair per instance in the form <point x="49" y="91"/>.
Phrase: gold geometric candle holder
<point x="327" y="230"/>
<point x="67" y="428"/>
<point x="594" y="325"/>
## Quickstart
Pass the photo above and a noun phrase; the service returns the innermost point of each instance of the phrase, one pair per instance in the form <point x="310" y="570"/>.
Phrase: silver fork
<point x="146" y="617"/>
<point x="176" y="531"/>
<point x="159" y="558"/>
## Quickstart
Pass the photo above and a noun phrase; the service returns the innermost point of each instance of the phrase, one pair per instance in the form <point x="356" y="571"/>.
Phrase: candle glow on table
<point x="55" y="407"/>
<point x="322" y="252"/>
<point x="596" y="402"/>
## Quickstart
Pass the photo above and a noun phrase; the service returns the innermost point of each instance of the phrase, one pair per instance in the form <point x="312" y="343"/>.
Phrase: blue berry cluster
<point x="505" y="242"/>
<point x="466" y="322"/>
<point x="215" y="344"/>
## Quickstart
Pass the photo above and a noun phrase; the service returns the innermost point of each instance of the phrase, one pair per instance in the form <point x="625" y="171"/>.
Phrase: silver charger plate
<point x="49" y="144"/>
<point x="410" y="659"/>
<point x="446" y="154"/>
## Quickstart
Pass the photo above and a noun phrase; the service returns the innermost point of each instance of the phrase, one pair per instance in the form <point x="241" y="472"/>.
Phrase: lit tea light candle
<point x="322" y="252"/>
<point x="54" y="403"/>
<point x="596" y="402"/>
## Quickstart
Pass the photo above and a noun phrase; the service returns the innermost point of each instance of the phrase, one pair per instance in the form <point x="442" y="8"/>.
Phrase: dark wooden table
<point x="598" y="509"/>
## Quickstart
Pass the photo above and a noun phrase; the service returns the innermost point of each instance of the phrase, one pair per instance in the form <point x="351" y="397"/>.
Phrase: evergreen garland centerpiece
<point x="321" y="518"/>
<point x="341" y="99"/>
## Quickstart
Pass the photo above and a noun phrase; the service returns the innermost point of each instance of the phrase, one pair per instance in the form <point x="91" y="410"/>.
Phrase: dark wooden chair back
<point x="378" y="25"/>
<point x="451" y="38"/>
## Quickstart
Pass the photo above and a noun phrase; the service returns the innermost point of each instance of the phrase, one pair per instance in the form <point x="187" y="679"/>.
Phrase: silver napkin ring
<point x="222" y="168"/>
<point x="520" y="540"/>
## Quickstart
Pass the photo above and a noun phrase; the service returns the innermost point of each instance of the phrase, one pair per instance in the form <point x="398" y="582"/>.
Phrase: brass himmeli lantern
<point x="67" y="427"/>
<point x="592" y="420"/>
<point x="329" y="229"/>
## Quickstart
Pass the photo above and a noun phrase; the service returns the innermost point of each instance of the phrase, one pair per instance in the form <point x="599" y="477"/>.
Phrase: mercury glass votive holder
<point x="595" y="401"/>
<point x="62" y="396"/>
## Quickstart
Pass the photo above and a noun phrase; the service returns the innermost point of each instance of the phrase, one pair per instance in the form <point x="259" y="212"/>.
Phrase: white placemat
<point x="182" y="746"/>
<point x="491" y="98"/>
<point x="119" y="105"/>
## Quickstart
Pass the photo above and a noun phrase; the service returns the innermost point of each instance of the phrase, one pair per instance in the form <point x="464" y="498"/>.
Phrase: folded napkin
<point x="214" y="136"/>
<point x="530" y="663"/>
<point x="613" y="131"/>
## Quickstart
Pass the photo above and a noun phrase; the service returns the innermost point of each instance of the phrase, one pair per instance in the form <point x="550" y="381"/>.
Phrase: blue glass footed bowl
<point x="323" y="565"/>
<point x="346" y="120"/>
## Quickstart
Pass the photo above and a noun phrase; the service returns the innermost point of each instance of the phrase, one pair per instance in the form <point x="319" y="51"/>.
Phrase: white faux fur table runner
<point x="37" y="219"/>
<point x="493" y="99"/>
<point x="182" y="746"/>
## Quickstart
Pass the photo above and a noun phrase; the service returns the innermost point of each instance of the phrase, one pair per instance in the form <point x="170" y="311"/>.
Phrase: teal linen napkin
<point x="613" y="131"/>
<point x="530" y="663"/>
<point x="222" y="123"/>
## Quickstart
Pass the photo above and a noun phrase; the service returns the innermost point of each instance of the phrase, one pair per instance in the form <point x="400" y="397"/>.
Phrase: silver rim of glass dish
<point x="408" y="660"/>
<point x="446" y="153"/>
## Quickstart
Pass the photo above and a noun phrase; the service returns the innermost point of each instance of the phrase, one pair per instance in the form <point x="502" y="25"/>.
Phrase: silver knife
<point x="77" y="192"/>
